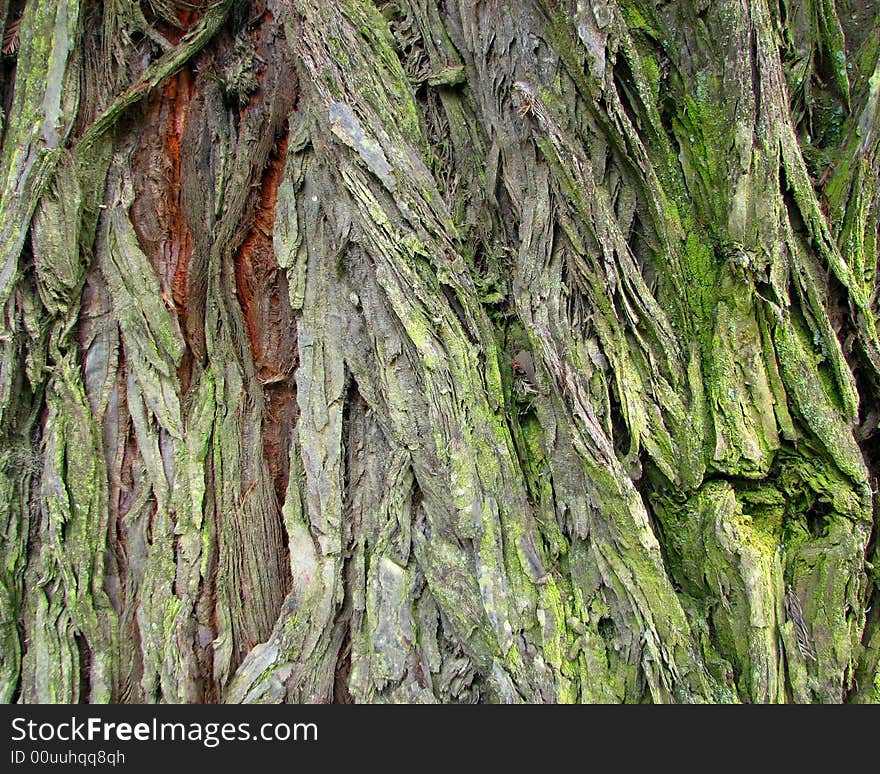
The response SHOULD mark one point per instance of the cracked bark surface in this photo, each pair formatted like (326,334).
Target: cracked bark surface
(448,351)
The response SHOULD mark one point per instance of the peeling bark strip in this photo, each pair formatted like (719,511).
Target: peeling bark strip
(439,352)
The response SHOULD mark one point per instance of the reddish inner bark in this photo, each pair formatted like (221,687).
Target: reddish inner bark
(157,211)
(262,293)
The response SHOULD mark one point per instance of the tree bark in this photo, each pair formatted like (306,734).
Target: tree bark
(457,351)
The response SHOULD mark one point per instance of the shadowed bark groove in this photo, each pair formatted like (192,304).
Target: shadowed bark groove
(447,351)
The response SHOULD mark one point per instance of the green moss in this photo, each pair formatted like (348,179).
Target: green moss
(39,121)
(833,42)
(384,85)
(337,48)
(637,18)
(651,71)
(701,275)
(704,131)
(810,400)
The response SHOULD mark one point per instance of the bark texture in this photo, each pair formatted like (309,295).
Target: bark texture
(439,351)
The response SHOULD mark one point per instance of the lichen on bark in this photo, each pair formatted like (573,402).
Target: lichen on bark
(440,352)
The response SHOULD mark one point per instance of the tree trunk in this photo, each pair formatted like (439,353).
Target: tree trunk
(456,351)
